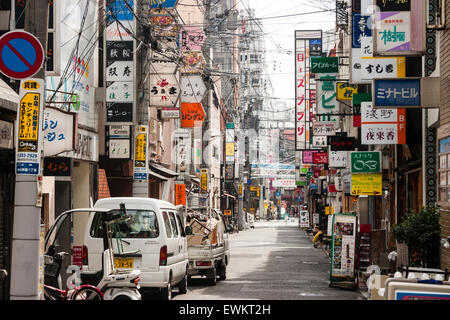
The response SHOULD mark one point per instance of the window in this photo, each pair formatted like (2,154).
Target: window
(143,224)
(173,224)
(167,225)
(180,225)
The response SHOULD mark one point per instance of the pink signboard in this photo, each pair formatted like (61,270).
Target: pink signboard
(192,38)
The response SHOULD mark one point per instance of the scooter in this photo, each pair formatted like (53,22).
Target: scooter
(114,284)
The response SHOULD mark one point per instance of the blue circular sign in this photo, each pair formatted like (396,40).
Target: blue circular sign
(21,55)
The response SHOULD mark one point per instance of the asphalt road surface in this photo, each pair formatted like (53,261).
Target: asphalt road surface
(274,261)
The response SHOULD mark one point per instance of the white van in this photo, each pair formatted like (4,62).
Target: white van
(153,241)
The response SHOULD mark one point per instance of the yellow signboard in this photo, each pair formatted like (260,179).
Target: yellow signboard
(345,91)
(240,189)
(29,122)
(227,212)
(141,147)
(229,149)
(367,184)
(204,179)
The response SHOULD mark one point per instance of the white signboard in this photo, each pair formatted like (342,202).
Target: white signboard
(170,113)
(319,142)
(192,89)
(326,94)
(382,126)
(304,219)
(393,31)
(284,183)
(183,151)
(324,128)
(59,128)
(6,135)
(115,32)
(119,148)
(164,90)
(120,91)
(382,68)
(337,159)
(119,132)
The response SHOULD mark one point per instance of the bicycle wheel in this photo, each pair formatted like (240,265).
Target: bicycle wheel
(87,293)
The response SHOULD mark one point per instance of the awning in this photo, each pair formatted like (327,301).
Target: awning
(163,170)
(155,175)
(9,99)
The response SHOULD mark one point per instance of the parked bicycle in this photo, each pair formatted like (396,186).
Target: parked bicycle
(52,275)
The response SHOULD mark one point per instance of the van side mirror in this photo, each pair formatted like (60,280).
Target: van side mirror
(188,230)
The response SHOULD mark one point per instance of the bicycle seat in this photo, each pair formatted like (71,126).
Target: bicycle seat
(91,277)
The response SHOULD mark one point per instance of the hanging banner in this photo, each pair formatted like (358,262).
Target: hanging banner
(180,194)
(141,153)
(343,248)
(367,184)
(204,179)
(29,127)
(382,126)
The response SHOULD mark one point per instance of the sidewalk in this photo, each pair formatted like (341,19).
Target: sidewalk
(363,292)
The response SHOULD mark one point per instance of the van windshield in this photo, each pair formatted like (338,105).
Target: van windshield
(143,224)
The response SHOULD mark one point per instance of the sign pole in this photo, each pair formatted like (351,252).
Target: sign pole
(25,265)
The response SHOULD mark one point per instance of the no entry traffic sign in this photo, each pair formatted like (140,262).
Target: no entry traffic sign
(21,55)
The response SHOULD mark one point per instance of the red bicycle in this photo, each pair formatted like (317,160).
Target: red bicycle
(52,275)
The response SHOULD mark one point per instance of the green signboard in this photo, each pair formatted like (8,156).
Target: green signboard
(365,161)
(324,64)
(361,97)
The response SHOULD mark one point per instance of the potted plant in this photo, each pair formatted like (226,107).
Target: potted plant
(421,232)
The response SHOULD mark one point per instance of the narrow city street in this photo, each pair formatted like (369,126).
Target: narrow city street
(274,261)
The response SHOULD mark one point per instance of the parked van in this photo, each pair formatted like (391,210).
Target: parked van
(153,241)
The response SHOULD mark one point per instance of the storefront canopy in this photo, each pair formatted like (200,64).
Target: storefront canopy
(156,175)
(9,99)
(163,170)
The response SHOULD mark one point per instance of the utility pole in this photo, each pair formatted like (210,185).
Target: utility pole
(140,187)
(26,229)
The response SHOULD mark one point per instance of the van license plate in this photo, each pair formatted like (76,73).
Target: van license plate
(123,263)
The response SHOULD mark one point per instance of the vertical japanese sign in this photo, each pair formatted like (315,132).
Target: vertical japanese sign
(204,179)
(343,248)
(141,153)
(180,194)
(119,66)
(305,87)
(184,150)
(29,127)
(382,126)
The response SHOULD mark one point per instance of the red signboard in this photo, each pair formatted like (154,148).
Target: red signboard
(320,158)
(180,194)
(191,113)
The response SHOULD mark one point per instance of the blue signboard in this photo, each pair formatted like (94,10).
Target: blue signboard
(397,93)
(163,3)
(361,28)
(120,10)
